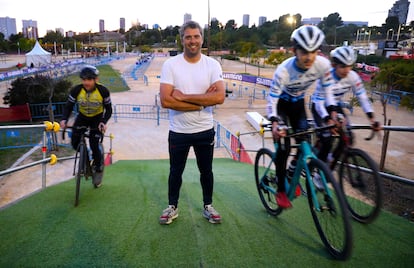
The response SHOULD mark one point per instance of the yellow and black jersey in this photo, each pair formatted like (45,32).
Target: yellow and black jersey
(95,103)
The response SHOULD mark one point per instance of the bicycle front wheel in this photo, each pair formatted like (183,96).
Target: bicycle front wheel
(329,211)
(266,180)
(82,157)
(361,183)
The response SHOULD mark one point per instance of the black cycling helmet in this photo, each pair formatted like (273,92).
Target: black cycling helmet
(89,72)
(308,38)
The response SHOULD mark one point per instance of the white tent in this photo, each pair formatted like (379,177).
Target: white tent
(38,56)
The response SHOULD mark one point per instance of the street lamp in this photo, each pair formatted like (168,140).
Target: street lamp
(29,32)
(399,32)
(292,21)
(390,30)
(358,35)
(208,29)
(159,31)
(337,27)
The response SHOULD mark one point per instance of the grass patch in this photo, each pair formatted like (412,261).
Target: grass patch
(117,226)
(109,77)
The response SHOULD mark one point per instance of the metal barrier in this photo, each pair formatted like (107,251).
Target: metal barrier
(48,127)
(139,111)
(354,126)
(43,110)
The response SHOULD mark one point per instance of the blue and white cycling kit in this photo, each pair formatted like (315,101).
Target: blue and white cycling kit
(351,83)
(290,83)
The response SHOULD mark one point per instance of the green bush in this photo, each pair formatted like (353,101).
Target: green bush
(230,57)
(36,89)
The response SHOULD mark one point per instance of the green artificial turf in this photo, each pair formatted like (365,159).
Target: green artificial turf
(117,226)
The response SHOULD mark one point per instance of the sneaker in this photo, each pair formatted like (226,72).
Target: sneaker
(211,214)
(282,200)
(168,215)
(317,181)
(97,180)
(99,168)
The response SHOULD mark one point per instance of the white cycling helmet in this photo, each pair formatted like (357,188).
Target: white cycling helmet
(308,37)
(343,55)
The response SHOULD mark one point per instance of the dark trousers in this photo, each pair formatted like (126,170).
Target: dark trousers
(325,137)
(293,114)
(179,147)
(94,136)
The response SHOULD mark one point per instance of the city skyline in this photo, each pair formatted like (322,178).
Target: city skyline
(167,13)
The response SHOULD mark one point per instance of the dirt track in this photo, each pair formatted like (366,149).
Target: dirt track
(143,139)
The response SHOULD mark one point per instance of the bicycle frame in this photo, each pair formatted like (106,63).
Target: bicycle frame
(326,201)
(305,154)
(82,166)
(82,157)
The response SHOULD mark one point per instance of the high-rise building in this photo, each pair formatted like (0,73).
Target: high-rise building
(400,10)
(30,29)
(187,17)
(70,34)
(311,21)
(101,26)
(122,24)
(60,30)
(246,19)
(262,20)
(8,26)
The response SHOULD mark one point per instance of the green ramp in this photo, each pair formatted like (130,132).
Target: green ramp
(117,226)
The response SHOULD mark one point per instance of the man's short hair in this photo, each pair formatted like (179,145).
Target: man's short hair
(190,24)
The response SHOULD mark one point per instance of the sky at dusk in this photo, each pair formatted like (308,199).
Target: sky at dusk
(82,16)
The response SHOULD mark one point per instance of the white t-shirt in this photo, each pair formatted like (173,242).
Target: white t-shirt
(191,78)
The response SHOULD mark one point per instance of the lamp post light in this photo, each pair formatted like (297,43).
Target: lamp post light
(291,21)
(369,35)
(29,32)
(357,35)
(337,27)
(208,29)
(390,30)
(399,32)
(160,32)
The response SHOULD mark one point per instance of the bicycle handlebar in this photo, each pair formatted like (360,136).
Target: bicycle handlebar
(82,128)
(268,126)
(372,127)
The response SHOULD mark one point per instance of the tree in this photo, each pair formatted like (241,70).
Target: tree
(276,58)
(392,23)
(330,25)
(36,89)
(52,37)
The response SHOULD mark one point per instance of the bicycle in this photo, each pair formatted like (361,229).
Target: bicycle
(327,205)
(358,176)
(83,166)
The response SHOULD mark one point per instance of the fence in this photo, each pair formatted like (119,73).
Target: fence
(139,111)
(46,138)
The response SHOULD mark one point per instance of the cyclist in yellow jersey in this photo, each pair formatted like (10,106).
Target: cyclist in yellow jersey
(95,109)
